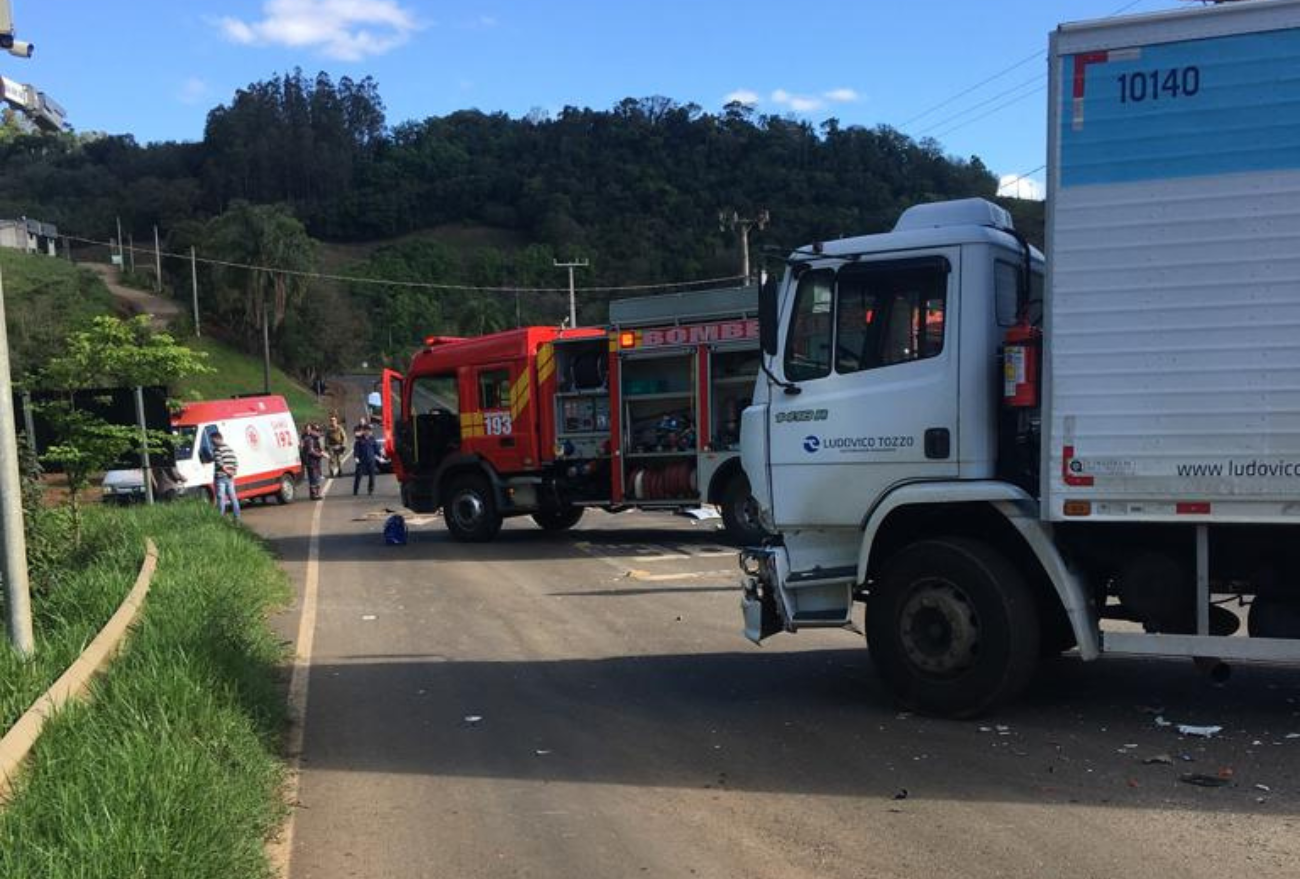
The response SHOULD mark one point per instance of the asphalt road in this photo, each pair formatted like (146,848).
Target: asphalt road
(585,706)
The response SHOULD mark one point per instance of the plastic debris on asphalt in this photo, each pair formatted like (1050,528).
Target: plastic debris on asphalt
(1204,732)
(473,718)
(1201,780)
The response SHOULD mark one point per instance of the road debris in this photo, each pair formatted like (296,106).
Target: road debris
(1158,760)
(369,617)
(900,794)
(541,752)
(1204,732)
(1265,788)
(472,719)
(1200,779)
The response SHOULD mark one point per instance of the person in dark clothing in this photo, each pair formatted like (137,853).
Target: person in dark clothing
(365,457)
(313,455)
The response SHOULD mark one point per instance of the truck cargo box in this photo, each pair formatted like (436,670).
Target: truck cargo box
(1173,304)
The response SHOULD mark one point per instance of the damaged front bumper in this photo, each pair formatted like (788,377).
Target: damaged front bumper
(758,601)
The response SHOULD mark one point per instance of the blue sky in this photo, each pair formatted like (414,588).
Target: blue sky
(155,67)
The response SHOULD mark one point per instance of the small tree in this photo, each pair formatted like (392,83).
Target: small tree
(111,352)
(88,445)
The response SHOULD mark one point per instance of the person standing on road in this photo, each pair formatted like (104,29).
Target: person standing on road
(312,458)
(365,456)
(225,466)
(336,441)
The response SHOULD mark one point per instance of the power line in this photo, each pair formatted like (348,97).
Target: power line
(996,76)
(997,109)
(973,107)
(422,285)
(1012,181)
(983,82)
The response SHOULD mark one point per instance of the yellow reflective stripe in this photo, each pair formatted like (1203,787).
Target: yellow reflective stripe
(519,395)
(471,424)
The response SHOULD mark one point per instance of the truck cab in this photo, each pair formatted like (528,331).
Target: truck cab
(884,366)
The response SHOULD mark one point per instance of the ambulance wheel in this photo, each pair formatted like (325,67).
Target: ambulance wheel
(560,519)
(740,512)
(286,493)
(952,628)
(471,509)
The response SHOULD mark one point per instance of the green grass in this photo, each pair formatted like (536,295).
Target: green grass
(45,298)
(91,585)
(238,373)
(171,770)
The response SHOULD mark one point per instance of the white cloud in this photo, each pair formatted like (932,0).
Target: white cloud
(841,95)
(798,103)
(741,96)
(193,90)
(347,30)
(1019,186)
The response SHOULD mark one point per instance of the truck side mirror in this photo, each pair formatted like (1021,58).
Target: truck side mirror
(767,317)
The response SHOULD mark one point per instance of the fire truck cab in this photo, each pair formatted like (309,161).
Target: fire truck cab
(547,422)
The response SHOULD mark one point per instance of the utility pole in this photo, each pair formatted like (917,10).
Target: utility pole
(266,346)
(145,469)
(573,301)
(157,262)
(130,250)
(744,224)
(194,288)
(121,258)
(13,542)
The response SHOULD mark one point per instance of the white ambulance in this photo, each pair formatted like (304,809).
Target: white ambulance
(262,434)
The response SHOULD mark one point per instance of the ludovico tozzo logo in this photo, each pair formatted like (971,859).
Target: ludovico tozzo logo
(811,444)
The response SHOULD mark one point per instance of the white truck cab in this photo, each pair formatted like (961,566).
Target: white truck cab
(1002,466)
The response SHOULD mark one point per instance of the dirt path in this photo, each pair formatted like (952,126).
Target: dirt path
(162,310)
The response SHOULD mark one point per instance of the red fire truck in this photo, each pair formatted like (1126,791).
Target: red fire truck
(546,422)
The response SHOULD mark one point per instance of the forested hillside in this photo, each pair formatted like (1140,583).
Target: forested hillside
(636,189)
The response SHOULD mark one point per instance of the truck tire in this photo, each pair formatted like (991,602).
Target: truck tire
(952,627)
(287,490)
(561,519)
(471,509)
(740,512)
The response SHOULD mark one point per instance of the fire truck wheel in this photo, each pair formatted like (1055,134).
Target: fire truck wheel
(286,492)
(558,520)
(952,628)
(471,509)
(740,512)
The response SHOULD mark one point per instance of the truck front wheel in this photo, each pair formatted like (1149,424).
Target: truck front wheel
(740,512)
(952,628)
(558,519)
(471,509)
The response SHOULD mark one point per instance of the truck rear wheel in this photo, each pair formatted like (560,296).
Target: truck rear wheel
(471,509)
(740,512)
(952,628)
(559,519)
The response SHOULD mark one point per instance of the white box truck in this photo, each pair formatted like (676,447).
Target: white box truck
(1005,456)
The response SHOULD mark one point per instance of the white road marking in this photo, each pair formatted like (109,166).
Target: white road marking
(689,575)
(281,851)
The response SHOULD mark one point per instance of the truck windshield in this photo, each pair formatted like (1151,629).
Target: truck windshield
(185,442)
(432,393)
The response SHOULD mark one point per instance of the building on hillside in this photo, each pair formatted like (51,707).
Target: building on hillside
(30,236)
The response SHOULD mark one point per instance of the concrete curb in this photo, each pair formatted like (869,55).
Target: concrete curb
(73,683)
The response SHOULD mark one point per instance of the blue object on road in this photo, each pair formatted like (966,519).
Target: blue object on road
(395,530)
